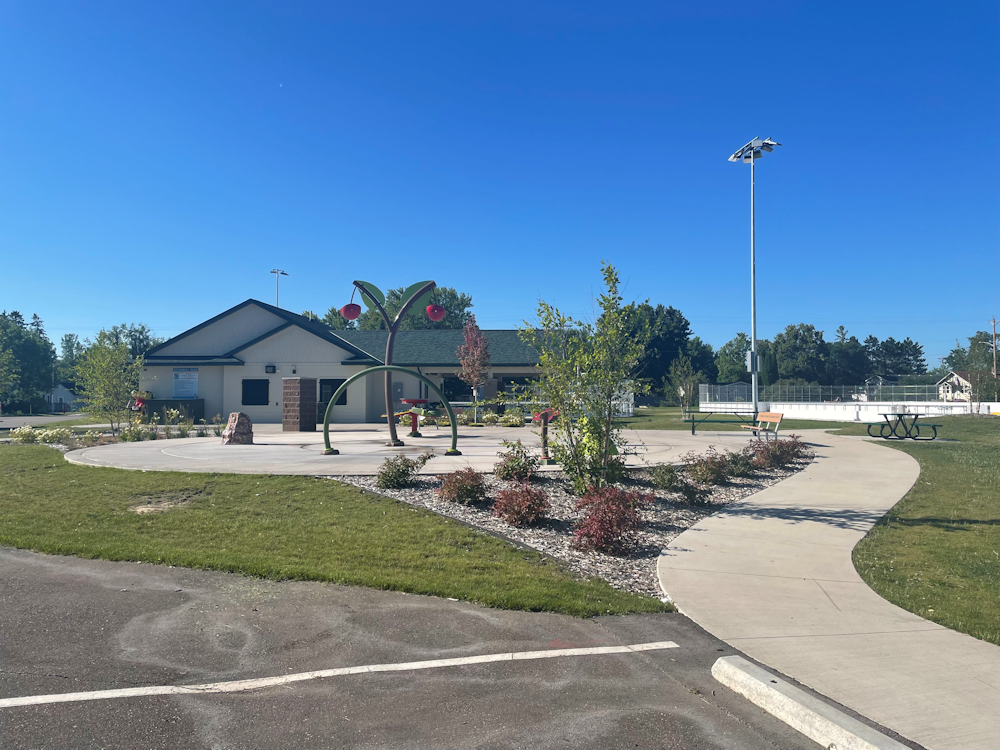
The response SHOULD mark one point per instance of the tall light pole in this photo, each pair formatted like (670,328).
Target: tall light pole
(748,155)
(278,273)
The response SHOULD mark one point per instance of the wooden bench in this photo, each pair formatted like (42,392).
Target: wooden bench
(767,422)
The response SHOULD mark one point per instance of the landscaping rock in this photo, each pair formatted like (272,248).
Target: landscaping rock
(239,430)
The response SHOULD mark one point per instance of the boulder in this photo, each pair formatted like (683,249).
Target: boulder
(239,430)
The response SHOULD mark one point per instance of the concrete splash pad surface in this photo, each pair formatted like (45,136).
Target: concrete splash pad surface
(363,449)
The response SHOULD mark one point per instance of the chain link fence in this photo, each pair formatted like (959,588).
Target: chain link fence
(741,392)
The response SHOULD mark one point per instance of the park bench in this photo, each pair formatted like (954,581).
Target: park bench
(765,420)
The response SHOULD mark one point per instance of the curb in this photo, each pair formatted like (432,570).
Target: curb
(812,717)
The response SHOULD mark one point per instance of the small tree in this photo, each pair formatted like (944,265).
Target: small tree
(585,371)
(474,356)
(683,380)
(107,378)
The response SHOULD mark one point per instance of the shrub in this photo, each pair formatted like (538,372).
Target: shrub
(521,506)
(183,430)
(512,419)
(443,421)
(91,437)
(691,492)
(665,476)
(516,462)
(133,434)
(740,463)
(462,419)
(776,453)
(55,435)
(24,434)
(465,486)
(611,519)
(710,468)
(491,419)
(398,472)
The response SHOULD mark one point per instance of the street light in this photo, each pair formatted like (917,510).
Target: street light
(278,273)
(748,155)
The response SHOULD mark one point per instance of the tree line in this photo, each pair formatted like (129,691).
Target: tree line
(30,367)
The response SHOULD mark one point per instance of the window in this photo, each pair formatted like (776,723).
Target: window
(255,392)
(328,387)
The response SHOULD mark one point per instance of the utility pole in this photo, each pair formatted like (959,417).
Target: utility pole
(993,320)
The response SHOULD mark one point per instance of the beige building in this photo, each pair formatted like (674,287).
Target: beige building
(236,361)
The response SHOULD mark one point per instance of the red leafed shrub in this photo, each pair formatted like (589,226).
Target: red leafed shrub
(465,486)
(610,519)
(521,506)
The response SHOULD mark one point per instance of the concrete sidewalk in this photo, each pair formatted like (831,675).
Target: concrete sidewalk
(773,576)
(363,449)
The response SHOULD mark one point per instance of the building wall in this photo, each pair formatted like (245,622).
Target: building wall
(293,352)
(160,382)
(225,335)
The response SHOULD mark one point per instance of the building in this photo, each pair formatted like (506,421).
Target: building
(63,399)
(236,360)
(955,386)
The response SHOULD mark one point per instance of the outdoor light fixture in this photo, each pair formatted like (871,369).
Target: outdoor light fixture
(278,273)
(748,155)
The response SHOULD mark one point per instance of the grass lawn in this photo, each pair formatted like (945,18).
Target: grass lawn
(280,528)
(670,418)
(937,553)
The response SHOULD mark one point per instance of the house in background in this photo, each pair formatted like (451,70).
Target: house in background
(63,399)
(236,361)
(955,386)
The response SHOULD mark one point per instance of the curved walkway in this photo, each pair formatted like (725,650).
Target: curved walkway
(773,576)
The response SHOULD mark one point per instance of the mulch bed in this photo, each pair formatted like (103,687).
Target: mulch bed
(636,571)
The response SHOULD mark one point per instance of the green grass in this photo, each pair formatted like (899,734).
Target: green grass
(670,418)
(937,552)
(281,528)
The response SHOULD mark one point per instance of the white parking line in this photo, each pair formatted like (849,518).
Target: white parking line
(237,686)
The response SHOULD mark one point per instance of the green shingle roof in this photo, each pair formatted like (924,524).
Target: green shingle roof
(439,347)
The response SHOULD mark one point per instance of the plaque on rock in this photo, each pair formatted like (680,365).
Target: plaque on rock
(239,430)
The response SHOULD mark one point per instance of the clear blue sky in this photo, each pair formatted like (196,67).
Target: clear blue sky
(158,159)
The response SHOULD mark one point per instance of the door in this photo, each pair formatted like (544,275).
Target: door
(327,387)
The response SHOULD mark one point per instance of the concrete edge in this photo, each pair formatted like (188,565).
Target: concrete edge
(805,713)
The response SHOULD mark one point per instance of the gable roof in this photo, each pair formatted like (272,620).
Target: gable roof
(314,327)
(429,348)
(961,374)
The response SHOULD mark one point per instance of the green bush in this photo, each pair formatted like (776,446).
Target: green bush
(465,486)
(491,419)
(740,463)
(25,434)
(665,476)
(443,421)
(516,462)
(512,419)
(462,418)
(710,468)
(398,472)
(692,493)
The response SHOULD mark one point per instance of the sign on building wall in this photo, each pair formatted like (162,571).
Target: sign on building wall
(185,382)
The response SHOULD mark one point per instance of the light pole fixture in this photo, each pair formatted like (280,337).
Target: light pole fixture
(748,155)
(278,273)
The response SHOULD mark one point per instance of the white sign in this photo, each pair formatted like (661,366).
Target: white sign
(185,382)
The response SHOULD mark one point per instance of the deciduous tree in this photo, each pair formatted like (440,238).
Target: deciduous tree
(106,376)
(474,356)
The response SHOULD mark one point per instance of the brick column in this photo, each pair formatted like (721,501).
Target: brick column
(298,410)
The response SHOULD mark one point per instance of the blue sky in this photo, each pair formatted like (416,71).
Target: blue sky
(158,159)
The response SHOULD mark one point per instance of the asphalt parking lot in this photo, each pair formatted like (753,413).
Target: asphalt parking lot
(71,625)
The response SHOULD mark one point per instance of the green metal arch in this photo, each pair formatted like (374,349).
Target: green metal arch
(389,368)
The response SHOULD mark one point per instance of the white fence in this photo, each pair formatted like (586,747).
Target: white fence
(856,411)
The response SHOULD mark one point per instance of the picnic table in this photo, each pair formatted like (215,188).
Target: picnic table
(902,426)
(700,417)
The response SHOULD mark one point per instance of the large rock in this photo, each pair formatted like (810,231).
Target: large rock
(239,430)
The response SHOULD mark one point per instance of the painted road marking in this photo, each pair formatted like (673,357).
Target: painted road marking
(237,686)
